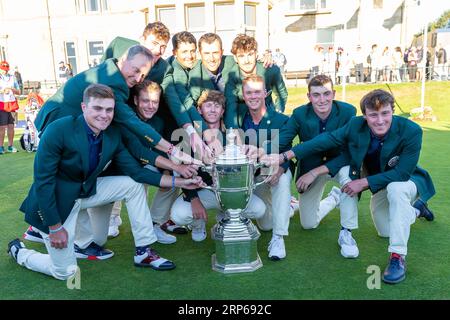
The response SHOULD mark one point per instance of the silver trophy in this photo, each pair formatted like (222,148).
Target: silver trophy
(235,235)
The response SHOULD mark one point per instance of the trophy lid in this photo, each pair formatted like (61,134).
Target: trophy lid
(233,153)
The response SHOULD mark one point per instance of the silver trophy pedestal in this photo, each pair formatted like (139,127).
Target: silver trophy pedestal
(236,244)
(235,236)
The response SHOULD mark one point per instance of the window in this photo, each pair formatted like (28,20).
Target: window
(378,4)
(93,6)
(95,52)
(195,17)
(225,23)
(325,36)
(195,20)
(224,16)
(307,4)
(250,15)
(167,16)
(71,56)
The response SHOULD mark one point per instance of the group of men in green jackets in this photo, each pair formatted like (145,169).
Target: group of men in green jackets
(113,127)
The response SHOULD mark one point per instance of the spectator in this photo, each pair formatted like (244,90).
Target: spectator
(62,72)
(8,104)
(358,61)
(397,65)
(440,62)
(280,60)
(69,71)
(19,79)
(412,63)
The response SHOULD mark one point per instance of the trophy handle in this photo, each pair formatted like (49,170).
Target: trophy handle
(259,165)
(208,169)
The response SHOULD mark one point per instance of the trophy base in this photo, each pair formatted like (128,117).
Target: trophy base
(236,245)
(236,268)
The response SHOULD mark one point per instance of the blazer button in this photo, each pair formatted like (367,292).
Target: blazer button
(354,173)
(324,159)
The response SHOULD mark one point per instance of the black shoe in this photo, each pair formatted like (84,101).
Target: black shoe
(395,272)
(13,248)
(170,226)
(424,211)
(93,252)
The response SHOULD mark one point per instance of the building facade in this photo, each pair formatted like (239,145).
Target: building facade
(36,34)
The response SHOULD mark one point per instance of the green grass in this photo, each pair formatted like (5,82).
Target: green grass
(313,268)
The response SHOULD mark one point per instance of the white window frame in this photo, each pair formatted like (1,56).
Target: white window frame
(101,6)
(250,28)
(186,16)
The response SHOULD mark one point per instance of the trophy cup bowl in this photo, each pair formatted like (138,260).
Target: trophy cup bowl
(235,235)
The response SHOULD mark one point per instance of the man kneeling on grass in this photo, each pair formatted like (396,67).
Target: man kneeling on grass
(382,151)
(72,153)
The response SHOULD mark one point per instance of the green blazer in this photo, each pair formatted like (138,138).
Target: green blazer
(171,107)
(66,101)
(304,123)
(267,136)
(61,169)
(137,147)
(233,91)
(181,83)
(399,154)
(118,47)
(200,80)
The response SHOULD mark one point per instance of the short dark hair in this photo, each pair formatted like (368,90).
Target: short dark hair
(183,36)
(244,42)
(209,38)
(97,90)
(376,99)
(158,29)
(138,49)
(319,81)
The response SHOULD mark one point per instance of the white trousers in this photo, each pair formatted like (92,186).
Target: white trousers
(393,213)
(278,205)
(161,203)
(61,263)
(313,209)
(181,211)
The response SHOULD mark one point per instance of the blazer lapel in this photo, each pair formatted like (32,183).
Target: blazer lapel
(82,142)
(363,143)
(389,144)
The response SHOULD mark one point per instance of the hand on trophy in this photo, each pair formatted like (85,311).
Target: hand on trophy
(186,170)
(271,160)
(253,152)
(182,157)
(190,184)
(275,178)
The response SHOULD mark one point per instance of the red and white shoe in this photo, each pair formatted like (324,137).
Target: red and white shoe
(151,259)
(33,235)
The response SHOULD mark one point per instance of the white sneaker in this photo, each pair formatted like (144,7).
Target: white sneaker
(336,194)
(198,230)
(349,249)
(162,236)
(276,248)
(114,223)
